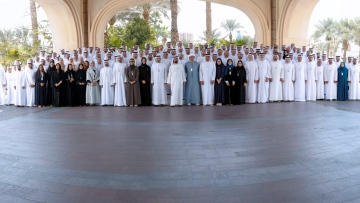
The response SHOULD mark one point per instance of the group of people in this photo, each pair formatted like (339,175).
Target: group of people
(200,75)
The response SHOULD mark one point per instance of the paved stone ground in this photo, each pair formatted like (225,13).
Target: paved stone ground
(277,152)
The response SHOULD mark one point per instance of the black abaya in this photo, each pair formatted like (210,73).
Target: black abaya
(70,88)
(239,88)
(145,74)
(81,89)
(40,91)
(49,94)
(58,94)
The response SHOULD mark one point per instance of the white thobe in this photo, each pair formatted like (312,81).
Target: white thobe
(20,84)
(88,59)
(158,79)
(167,63)
(330,75)
(348,65)
(99,66)
(207,73)
(30,91)
(107,91)
(288,85)
(324,63)
(76,65)
(268,57)
(137,62)
(200,59)
(176,78)
(119,79)
(354,78)
(225,59)
(300,77)
(2,86)
(252,74)
(277,73)
(337,63)
(263,86)
(320,82)
(149,63)
(233,58)
(10,88)
(311,81)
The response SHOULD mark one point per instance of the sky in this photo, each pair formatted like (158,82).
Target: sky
(324,9)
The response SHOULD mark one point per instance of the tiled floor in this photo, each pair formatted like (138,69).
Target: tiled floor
(277,152)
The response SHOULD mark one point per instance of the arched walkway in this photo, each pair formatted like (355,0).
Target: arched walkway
(294,22)
(98,25)
(66,25)
(69,19)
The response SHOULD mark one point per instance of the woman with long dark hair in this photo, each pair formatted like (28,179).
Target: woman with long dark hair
(229,82)
(81,85)
(70,86)
(145,80)
(240,83)
(40,86)
(57,84)
(49,73)
(219,83)
(86,65)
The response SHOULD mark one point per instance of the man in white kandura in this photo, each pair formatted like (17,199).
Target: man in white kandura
(276,78)
(300,79)
(19,86)
(252,76)
(311,79)
(320,80)
(264,75)
(354,80)
(10,86)
(107,85)
(176,79)
(207,80)
(330,77)
(158,82)
(289,80)
(2,85)
(119,82)
(30,84)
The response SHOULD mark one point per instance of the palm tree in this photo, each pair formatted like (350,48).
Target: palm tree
(215,36)
(34,22)
(22,35)
(230,25)
(145,11)
(356,31)
(343,33)
(326,28)
(163,32)
(174,24)
(208,22)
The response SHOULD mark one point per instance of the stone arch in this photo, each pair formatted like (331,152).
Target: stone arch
(98,24)
(294,22)
(66,27)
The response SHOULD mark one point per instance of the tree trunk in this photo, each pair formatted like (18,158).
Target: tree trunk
(230,36)
(146,12)
(34,22)
(208,22)
(112,20)
(328,49)
(106,37)
(345,48)
(174,24)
